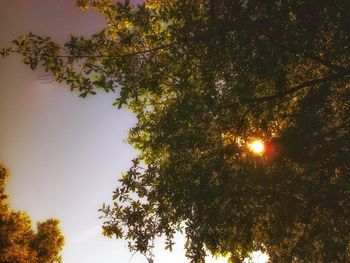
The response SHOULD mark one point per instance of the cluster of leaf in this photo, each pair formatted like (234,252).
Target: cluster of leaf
(18,242)
(204,78)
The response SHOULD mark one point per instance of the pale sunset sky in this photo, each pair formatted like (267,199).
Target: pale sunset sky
(65,153)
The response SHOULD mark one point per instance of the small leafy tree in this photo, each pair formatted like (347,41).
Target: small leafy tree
(204,79)
(18,242)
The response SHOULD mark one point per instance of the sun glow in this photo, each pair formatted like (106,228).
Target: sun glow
(257,146)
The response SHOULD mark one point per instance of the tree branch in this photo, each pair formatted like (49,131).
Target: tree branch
(296,88)
(122,55)
(300,239)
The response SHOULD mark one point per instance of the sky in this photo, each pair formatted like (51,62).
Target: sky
(65,153)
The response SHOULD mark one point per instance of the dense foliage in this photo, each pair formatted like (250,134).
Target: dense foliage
(18,242)
(204,79)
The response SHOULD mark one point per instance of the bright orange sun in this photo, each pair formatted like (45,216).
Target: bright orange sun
(257,146)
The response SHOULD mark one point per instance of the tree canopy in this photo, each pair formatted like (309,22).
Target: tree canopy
(18,242)
(205,78)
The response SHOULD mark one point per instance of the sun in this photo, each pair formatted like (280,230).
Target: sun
(257,146)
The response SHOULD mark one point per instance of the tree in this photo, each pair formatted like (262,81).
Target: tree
(204,79)
(18,242)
